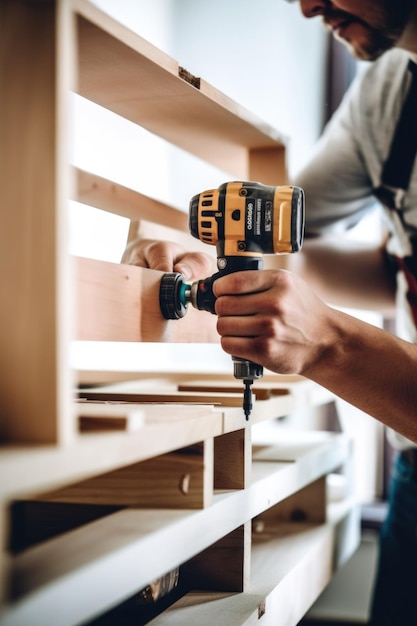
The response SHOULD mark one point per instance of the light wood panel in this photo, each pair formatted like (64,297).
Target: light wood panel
(107,195)
(262,389)
(306,505)
(297,556)
(158,539)
(121,71)
(167,427)
(224,566)
(162,395)
(268,166)
(121,303)
(181,479)
(232,460)
(127,75)
(34,183)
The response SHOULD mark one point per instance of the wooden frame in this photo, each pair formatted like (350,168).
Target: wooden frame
(64,448)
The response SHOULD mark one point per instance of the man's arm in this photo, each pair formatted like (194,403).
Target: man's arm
(274,318)
(347,273)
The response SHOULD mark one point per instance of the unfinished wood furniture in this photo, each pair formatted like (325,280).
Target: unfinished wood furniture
(106,489)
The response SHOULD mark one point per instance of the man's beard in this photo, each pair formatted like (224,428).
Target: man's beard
(374,46)
(376,41)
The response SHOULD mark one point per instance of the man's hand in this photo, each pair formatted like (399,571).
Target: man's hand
(167,256)
(272,318)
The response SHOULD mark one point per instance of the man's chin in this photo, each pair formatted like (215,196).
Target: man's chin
(363,49)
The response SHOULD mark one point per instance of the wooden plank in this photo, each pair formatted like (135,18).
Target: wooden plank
(181,479)
(288,572)
(118,302)
(262,390)
(35,521)
(268,166)
(161,395)
(115,64)
(142,545)
(224,566)
(109,196)
(275,407)
(166,428)
(34,182)
(306,505)
(232,460)
(110,416)
(276,381)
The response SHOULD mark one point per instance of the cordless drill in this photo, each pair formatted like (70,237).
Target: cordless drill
(244,220)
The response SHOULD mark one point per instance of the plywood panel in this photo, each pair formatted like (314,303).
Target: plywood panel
(267,165)
(34,183)
(232,460)
(127,75)
(107,195)
(121,303)
(166,427)
(224,566)
(181,479)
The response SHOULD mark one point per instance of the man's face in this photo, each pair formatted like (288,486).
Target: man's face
(367,27)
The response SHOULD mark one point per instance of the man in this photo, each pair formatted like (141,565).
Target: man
(366,154)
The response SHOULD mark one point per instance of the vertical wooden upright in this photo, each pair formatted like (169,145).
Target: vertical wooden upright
(35,39)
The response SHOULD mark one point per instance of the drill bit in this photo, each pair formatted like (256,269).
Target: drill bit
(247,398)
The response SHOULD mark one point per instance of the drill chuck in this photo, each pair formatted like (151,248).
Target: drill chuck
(246,370)
(173,296)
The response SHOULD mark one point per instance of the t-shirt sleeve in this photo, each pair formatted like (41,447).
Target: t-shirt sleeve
(337,188)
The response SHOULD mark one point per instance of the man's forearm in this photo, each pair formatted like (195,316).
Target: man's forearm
(373,370)
(275,319)
(346,273)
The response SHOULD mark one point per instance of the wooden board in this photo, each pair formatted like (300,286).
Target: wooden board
(109,196)
(34,301)
(262,391)
(167,427)
(121,303)
(161,396)
(233,460)
(115,64)
(181,479)
(224,566)
(289,570)
(162,539)
(108,416)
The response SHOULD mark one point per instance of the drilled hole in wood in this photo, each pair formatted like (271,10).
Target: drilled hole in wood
(185,483)
(261,609)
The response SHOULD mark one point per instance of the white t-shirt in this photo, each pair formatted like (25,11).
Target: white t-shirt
(347,165)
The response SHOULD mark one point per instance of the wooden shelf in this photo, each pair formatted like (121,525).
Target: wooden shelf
(165,429)
(108,195)
(103,496)
(162,427)
(184,110)
(281,564)
(44,575)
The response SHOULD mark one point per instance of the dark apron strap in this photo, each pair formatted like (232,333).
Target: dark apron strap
(396,173)
(395,180)
(399,164)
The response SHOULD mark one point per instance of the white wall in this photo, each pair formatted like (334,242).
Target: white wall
(151,19)
(263,54)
